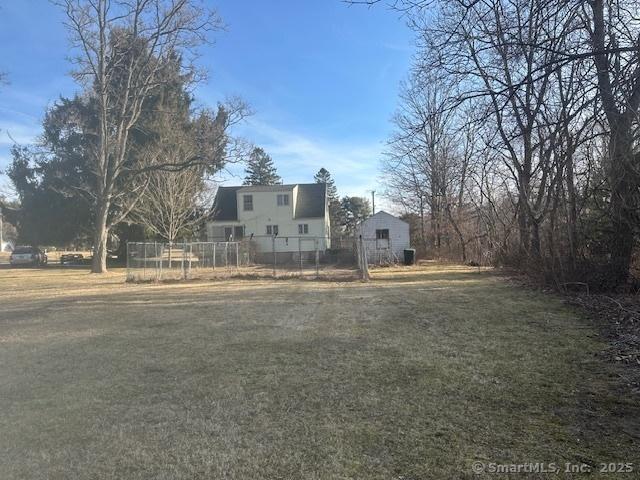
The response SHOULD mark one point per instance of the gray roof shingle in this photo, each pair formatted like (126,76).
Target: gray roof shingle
(310,202)
(225,206)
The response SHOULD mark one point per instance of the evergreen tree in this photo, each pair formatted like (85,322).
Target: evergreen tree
(260,169)
(335,210)
(354,211)
(55,179)
(323,176)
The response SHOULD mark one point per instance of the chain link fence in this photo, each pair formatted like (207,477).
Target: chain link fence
(258,256)
(173,261)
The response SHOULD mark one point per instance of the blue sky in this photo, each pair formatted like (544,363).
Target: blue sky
(321,76)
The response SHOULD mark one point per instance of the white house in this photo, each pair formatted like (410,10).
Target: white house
(297,216)
(384,236)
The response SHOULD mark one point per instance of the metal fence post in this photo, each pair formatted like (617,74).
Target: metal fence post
(300,252)
(214,256)
(237,256)
(363,262)
(317,258)
(144,262)
(273,247)
(128,273)
(182,266)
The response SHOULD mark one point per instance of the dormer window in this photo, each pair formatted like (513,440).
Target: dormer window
(283,199)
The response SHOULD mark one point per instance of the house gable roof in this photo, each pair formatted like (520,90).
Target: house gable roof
(225,206)
(310,200)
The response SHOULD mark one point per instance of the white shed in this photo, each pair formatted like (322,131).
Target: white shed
(385,237)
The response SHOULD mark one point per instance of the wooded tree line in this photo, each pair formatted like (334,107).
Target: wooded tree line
(516,136)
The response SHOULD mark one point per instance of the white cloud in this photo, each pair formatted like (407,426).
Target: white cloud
(353,165)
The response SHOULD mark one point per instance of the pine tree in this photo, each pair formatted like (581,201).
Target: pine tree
(323,176)
(335,210)
(260,169)
(354,211)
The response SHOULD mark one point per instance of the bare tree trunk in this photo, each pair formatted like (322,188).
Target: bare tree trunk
(101,234)
(536,250)
(623,179)
(624,186)
(572,211)
(423,236)
(523,226)
(432,233)
(456,227)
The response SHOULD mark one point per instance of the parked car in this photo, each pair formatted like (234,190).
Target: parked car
(30,256)
(71,258)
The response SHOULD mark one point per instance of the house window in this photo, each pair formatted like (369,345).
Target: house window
(303,228)
(238,233)
(272,229)
(228,233)
(247,202)
(283,200)
(382,234)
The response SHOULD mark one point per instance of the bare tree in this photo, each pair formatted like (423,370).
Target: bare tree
(174,203)
(418,159)
(535,63)
(428,162)
(122,47)
(177,199)
(614,32)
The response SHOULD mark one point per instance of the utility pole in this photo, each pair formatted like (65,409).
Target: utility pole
(373,202)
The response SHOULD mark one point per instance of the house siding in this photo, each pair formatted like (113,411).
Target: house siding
(266,211)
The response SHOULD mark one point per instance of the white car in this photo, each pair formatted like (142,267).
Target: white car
(30,256)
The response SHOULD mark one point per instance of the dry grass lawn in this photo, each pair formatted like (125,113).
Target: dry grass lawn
(413,376)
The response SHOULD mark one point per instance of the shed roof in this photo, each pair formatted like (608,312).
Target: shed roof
(382,213)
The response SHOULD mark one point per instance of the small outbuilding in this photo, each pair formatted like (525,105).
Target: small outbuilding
(385,237)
